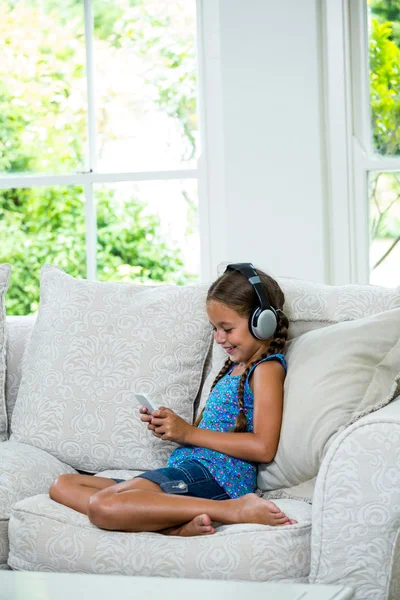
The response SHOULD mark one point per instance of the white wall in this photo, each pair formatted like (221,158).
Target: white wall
(272,209)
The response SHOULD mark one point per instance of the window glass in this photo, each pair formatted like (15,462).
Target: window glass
(145,82)
(383,185)
(384,194)
(384,62)
(42,87)
(37,226)
(148,232)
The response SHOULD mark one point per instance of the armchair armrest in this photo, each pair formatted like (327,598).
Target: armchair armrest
(356,508)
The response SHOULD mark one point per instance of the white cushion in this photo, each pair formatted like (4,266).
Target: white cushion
(335,376)
(5,271)
(92,347)
(47,536)
(18,331)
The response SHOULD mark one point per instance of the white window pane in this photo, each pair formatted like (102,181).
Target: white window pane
(145,82)
(42,86)
(148,231)
(384,198)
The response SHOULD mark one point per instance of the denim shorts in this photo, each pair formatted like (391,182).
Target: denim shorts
(190,478)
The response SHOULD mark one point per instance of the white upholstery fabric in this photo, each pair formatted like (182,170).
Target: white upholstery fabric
(24,471)
(47,536)
(335,375)
(356,508)
(18,333)
(5,271)
(92,347)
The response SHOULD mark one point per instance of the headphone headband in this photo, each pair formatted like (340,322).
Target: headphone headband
(263,320)
(248,271)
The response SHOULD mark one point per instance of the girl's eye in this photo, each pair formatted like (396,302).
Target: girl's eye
(227,330)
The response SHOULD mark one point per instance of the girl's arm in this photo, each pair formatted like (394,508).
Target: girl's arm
(260,445)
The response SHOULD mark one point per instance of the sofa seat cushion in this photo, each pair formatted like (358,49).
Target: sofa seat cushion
(5,271)
(24,471)
(46,536)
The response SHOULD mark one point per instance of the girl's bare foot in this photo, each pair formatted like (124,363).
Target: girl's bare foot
(264,512)
(200,525)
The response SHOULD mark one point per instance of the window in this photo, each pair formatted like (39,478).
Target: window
(99,141)
(375,74)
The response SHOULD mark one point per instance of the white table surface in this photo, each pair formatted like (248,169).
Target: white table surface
(22,585)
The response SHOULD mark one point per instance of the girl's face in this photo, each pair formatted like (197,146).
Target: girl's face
(231,331)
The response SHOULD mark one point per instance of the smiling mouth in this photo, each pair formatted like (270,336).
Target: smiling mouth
(229,349)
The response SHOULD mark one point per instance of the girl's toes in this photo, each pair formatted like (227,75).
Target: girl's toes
(208,530)
(282,521)
(274,508)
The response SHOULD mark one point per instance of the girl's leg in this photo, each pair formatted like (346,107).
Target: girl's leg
(75,491)
(140,505)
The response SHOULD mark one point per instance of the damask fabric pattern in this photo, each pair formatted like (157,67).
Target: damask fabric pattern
(356,509)
(5,271)
(310,305)
(24,472)
(92,347)
(18,333)
(47,536)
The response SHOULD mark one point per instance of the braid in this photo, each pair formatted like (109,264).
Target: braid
(241,421)
(220,375)
(276,346)
(281,333)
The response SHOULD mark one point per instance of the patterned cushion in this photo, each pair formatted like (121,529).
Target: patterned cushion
(18,333)
(5,271)
(312,305)
(24,472)
(47,536)
(92,347)
(335,376)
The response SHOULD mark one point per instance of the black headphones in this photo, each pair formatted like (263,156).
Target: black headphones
(263,320)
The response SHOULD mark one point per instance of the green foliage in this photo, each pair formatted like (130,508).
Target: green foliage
(388,10)
(384,58)
(43,128)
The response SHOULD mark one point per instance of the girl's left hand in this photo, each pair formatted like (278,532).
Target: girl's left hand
(168,426)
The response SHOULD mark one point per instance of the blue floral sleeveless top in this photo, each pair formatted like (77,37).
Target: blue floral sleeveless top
(237,477)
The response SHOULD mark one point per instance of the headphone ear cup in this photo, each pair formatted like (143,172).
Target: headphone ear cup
(263,323)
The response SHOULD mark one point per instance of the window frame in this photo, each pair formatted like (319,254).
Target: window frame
(349,139)
(91,176)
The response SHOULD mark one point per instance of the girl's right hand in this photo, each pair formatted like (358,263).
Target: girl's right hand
(146,418)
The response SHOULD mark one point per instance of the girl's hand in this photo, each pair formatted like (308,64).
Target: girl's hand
(168,426)
(145,417)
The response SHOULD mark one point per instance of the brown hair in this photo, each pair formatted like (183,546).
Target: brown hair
(235,291)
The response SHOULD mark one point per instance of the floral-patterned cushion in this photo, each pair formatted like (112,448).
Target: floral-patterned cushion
(47,536)
(18,331)
(5,271)
(24,472)
(92,347)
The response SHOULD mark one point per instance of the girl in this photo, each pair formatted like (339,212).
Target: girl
(213,475)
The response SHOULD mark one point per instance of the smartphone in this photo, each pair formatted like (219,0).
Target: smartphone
(146,402)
